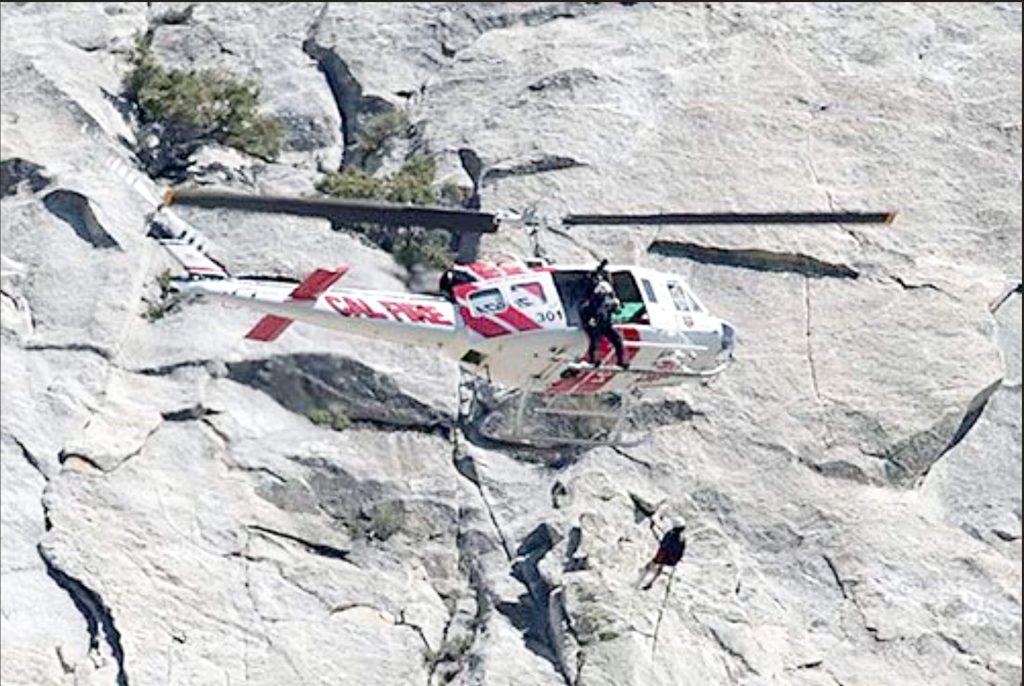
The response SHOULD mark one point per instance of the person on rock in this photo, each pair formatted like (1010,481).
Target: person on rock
(670,552)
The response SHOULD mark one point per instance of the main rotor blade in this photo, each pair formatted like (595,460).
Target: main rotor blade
(733,218)
(454,220)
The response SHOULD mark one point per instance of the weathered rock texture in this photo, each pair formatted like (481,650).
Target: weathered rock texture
(852,483)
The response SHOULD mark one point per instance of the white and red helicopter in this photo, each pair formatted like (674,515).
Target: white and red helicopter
(512,323)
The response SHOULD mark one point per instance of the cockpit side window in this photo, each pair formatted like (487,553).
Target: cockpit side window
(528,294)
(649,290)
(679,298)
(487,302)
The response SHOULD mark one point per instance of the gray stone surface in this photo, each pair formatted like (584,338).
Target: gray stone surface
(851,485)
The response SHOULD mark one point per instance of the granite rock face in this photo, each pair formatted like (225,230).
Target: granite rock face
(852,484)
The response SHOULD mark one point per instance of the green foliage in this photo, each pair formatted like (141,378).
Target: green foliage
(352,183)
(332,417)
(340,421)
(412,184)
(166,303)
(428,248)
(164,281)
(209,103)
(155,312)
(380,130)
(453,194)
(319,416)
(385,520)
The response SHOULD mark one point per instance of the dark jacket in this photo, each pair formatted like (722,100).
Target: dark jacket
(671,548)
(599,307)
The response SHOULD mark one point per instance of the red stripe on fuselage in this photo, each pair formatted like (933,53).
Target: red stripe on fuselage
(518,320)
(268,328)
(483,326)
(317,283)
(592,381)
(311,288)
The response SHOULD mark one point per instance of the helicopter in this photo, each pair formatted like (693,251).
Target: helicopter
(514,324)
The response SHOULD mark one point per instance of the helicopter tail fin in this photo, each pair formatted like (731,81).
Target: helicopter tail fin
(196,262)
(312,287)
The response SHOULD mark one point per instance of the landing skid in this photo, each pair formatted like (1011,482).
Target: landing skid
(525,418)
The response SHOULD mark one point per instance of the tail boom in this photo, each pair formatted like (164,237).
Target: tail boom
(314,285)
(398,317)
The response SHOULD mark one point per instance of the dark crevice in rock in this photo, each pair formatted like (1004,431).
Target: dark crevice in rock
(75,210)
(873,632)
(313,383)
(15,171)
(320,549)
(30,458)
(1005,535)
(64,457)
(755,259)
(810,665)
(21,305)
(73,347)
(635,460)
(188,414)
(542,164)
(455,654)
(261,470)
(1001,300)
(173,16)
(807,340)
(535,16)
(168,369)
(643,509)
(908,462)
(474,168)
(971,416)
(224,438)
(353,107)
(564,80)
(838,469)
(401,621)
(558,615)
(466,467)
(835,575)
(915,286)
(726,648)
(467,245)
(957,645)
(65,666)
(345,607)
(531,613)
(901,461)
(97,615)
